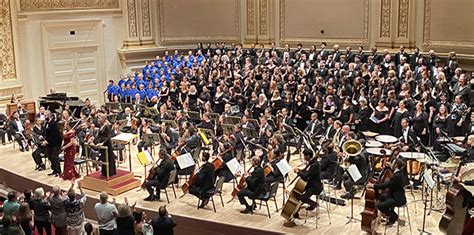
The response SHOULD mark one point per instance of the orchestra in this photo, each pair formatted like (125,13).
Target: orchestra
(341,110)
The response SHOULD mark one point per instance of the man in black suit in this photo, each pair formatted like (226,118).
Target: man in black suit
(312,176)
(161,178)
(16,129)
(401,54)
(204,181)
(255,186)
(314,128)
(395,195)
(408,136)
(52,142)
(103,138)
(360,161)
(328,163)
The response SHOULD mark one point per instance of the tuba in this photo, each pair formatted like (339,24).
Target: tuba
(352,148)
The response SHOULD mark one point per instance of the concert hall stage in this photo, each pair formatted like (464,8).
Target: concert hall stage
(16,172)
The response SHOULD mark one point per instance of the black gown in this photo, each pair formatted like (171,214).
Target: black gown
(103,137)
(396,122)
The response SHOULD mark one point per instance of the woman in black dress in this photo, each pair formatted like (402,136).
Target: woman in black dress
(219,101)
(193,98)
(381,113)
(419,120)
(347,112)
(400,113)
(440,124)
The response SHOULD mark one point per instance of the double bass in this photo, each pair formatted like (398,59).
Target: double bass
(369,215)
(455,216)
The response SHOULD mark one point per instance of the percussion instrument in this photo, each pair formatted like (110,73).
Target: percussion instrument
(370,134)
(413,155)
(386,139)
(448,165)
(373,144)
(378,151)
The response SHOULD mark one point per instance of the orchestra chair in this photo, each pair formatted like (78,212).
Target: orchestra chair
(155,142)
(170,183)
(330,190)
(271,194)
(283,188)
(407,211)
(319,198)
(215,191)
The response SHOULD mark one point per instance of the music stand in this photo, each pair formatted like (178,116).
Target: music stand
(214,117)
(127,105)
(112,117)
(193,115)
(172,112)
(289,129)
(232,120)
(123,123)
(228,129)
(113,105)
(249,133)
(254,122)
(171,123)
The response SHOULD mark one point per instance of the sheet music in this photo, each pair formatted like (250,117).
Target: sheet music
(429,180)
(124,137)
(185,160)
(374,119)
(149,157)
(284,167)
(234,166)
(354,173)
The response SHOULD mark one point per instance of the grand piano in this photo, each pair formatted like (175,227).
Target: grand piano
(55,102)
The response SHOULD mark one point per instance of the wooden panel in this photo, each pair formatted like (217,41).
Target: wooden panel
(191,21)
(342,21)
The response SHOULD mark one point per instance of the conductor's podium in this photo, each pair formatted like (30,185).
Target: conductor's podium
(119,183)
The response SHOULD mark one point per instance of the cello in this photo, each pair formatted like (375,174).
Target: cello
(370,213)
(241,184)
(455,216)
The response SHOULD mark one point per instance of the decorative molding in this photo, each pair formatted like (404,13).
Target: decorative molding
(195,38)
(42,5)
(263,17)
(403,11)
(385,12)
(146,19)
(250,17)
(132,18)
(7,48)
(427,42)
(343,41)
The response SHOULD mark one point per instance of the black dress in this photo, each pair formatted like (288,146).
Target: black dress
(396,122)
(382,127)
(345,114)
(420,122)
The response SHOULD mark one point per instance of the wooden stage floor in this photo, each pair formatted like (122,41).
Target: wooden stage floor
(205,221)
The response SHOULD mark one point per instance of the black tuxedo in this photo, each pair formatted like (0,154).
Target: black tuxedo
(53,137)
(255,186)
(162,176)
(204,181)
(312,175)
(314,128)
(395,195)
(328,166)
(103,137)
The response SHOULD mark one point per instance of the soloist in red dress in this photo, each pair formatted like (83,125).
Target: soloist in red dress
(69,171)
